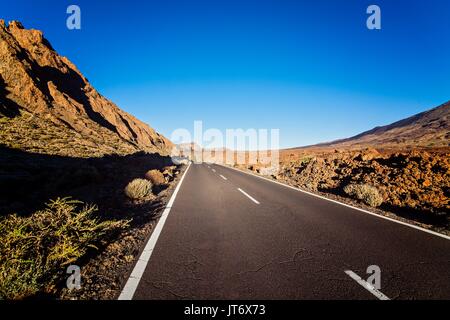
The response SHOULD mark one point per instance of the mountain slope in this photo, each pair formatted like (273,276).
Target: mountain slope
(39,88)
(427,129)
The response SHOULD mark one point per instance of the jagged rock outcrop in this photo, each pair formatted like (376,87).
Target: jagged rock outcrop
(36,80)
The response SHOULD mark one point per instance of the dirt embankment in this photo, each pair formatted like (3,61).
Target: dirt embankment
(67,157)
(30,180)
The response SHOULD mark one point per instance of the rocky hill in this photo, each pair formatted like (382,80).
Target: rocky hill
(427,129)
(48,106)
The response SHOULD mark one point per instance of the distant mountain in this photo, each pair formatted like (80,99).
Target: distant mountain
(44,95)
(427,129)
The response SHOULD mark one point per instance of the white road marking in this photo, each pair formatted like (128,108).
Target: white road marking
(249,196)
(135,277)
(213,170)
(223,177)
(367,285)
(344,204)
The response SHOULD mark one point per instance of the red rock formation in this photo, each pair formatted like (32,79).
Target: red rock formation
(48,85)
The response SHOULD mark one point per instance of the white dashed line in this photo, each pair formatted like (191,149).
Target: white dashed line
(367,285)
(248,196)
(213,170)
(342,204)
(223,177)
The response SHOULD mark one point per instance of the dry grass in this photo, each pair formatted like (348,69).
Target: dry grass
(364,192)
(139,189)
(37,134)
(35,250)
(155,177)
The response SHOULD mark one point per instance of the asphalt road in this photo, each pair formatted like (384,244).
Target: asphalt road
(230,235)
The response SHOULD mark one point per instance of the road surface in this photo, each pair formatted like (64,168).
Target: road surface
(231,235)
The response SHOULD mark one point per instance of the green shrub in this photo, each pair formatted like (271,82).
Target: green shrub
(35,250)
(305,160)
(364,192)
(139,189)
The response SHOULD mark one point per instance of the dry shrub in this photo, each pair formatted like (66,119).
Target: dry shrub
(169,173)
(368,194)
(35,250)
(139,189)
(305,160)
(155,177)
(169,168)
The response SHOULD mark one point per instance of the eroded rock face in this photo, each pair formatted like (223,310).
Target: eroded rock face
(36,79)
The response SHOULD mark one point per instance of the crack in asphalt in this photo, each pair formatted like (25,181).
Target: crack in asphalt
(292,260)
(254,271)
(294,257)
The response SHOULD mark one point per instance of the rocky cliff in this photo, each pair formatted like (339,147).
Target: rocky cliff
(41,89)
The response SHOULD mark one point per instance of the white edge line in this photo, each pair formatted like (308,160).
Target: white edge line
(223,177)
(249,196)
(380,295)
(133,281)
(344,204)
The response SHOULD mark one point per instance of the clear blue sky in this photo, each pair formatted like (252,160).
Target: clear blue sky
(310,68)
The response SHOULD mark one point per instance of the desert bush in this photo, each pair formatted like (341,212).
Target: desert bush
(155,177)
(139,189)
(366,193)
(35,250)
(305,160)
(169,173)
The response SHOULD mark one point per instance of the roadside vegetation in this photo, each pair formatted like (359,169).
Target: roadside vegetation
(139,189)
(156,177)
(364,192)
(36,250)
(37,134)
(155,181)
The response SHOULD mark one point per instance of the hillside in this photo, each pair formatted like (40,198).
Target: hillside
(427,129)
(48,106)
(81,181)
(404,166)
